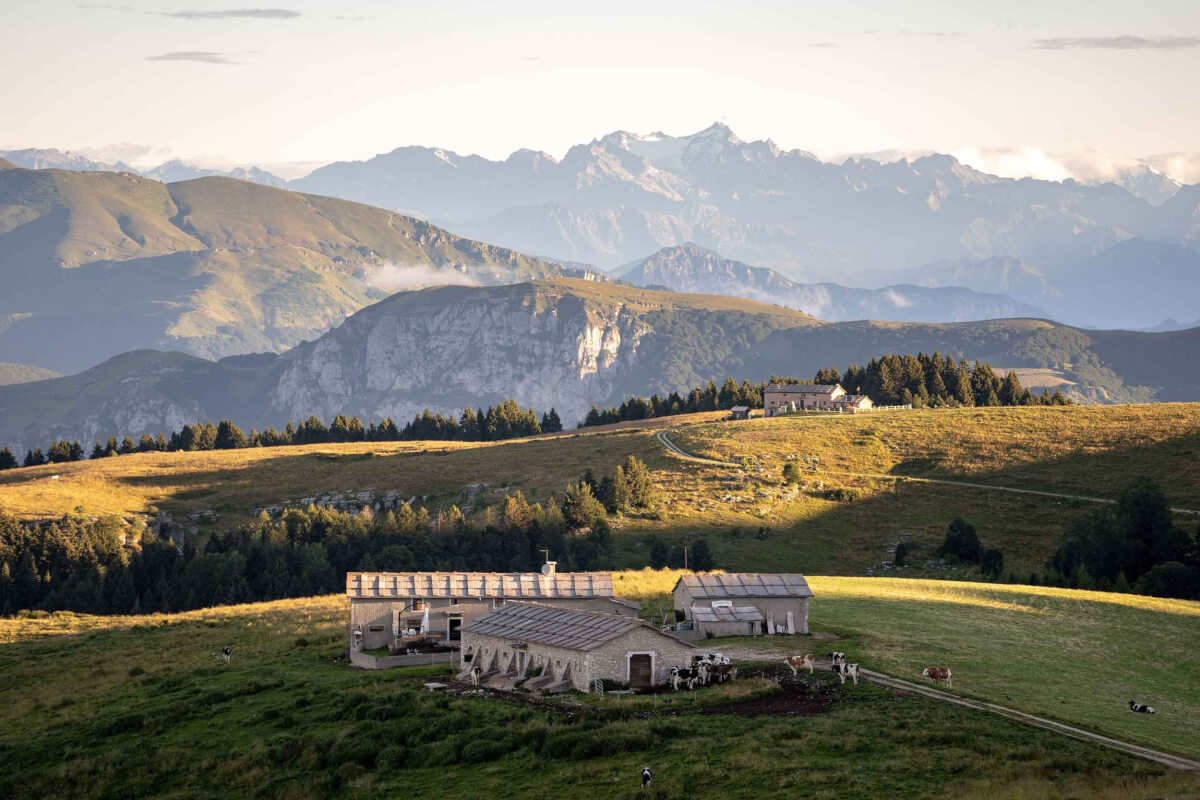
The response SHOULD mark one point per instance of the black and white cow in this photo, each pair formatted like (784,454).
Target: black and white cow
(685,675)
(646,776)
(226,653)
(845,670)
(1139,708)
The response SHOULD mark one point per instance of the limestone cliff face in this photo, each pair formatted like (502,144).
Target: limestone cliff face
(541,347)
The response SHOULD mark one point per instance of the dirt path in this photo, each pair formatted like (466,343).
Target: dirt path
(1178,762)
(673,448)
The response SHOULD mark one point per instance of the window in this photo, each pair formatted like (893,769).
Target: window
(418,604)
(453,601)
(499,601)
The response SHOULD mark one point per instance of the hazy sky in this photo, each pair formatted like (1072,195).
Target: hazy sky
(308,80)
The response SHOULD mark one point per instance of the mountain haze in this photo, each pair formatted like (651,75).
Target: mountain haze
(213,266)
(623,195)
(691,268)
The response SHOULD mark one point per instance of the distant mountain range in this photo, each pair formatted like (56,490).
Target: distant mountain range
(99,263)
(929,221)
(563,343)
(622,196)
(167,172)
(691,268)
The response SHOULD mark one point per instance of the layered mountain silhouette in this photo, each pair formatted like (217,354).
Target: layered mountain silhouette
(98,263)
(623,196)
(691,268)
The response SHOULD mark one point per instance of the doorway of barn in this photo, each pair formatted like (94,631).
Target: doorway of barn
(453,631)
(641,672)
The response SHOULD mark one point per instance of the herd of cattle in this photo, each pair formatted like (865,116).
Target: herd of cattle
(838,665)
(710,668)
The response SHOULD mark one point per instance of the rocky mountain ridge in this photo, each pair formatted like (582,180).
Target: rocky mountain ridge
(565,343)
(691,268)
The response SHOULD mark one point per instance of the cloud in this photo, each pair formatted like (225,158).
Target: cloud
(234,13)
(1183,167)
(896,299)
(138,155)
(400,277)
(201,56)
(1014,162)
(1117,43)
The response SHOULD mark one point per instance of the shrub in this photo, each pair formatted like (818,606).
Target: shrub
(135,671)
(962,542)
(901,554)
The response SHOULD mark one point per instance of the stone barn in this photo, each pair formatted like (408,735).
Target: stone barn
(554,648)
(779,398)
(386,606)
(744,602)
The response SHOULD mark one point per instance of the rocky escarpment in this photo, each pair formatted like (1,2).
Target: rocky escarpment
(449,348)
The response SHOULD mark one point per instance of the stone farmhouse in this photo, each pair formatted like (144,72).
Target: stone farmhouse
(743,603)
(385,607)
(557,648)
(779,398)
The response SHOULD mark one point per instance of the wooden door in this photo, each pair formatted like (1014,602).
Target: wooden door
(640,674)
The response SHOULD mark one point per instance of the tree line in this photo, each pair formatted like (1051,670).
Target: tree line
(505,421)
(699,398)
(918,380)
(934,381)
(109,566)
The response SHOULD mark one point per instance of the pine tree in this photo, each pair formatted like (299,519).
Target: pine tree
(127,446)
(7,460)
(550,422)
(580,507)
(229,436)
(98,450)
(641,487)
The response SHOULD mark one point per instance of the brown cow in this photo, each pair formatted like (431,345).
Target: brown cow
(940,674)
(796,662)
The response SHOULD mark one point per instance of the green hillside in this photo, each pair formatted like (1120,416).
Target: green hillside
(144,706)
(213,266)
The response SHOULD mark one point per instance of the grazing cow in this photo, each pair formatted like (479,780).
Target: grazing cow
(646,776)
(685,675)
(475,674)
(1139,708)
(796,662)
(940,674)
(837,658)
(725,672)
(844,670)
(226,652)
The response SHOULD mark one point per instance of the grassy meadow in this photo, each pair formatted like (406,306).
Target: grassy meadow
(143,706)
(748,518)
(1074,656)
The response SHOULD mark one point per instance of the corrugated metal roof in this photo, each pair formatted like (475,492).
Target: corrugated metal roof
(550,625)
(803,388)
(482,585)
(746,584)
(736,614)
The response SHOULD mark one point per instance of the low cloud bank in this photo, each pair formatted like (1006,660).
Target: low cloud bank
(404,277)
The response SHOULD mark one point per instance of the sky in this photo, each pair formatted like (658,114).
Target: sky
(1048,87)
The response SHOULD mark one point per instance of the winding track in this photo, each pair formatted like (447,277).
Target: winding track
(1177,762)
(673,448)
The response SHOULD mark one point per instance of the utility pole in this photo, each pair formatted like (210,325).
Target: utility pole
(685,558)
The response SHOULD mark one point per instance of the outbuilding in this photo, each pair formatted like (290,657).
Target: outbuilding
(553,648)
(743,602)
(385,607)
(739,412)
